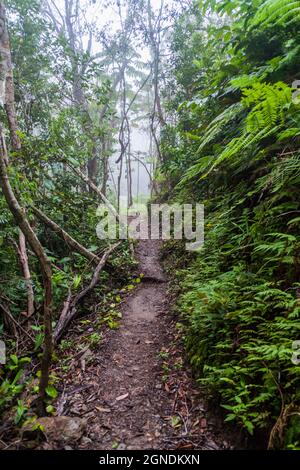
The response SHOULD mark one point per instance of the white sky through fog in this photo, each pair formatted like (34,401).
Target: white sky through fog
(140,139)
(103,16)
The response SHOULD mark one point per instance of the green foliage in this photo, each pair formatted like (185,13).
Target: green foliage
(237,139)
(13,382)
(51,391)
(245,347)
(94,339)
(269,101)
(56,130)
(20,412)
(278,12)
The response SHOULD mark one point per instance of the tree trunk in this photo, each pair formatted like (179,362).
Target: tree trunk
(7,100)
(92,166)
(23,257)
(129,171)
(7,96)
(105,155)
(9,104)
(45,265)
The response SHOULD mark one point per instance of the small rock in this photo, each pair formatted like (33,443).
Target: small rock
(121,447)
(85,440)
(68,448)
(60,428)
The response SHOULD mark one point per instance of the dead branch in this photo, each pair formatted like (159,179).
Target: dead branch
(70,311)
(23,257)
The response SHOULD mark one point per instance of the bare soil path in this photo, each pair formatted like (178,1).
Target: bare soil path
(135,390)
(136,408)
(130,385)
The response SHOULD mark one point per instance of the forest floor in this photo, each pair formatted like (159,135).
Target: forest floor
(133,388)
(137,392)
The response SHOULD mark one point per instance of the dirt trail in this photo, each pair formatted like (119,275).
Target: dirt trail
(130,388)
(137,392)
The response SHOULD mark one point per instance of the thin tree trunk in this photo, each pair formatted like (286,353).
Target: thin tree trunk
(151,180)
(7,99)
(7,96)
(128,155)
(45,265)
(155,44)
(105,148)
(10,109)
(23,257)
(119,182)
(129,171)
(9,104)
(92,165)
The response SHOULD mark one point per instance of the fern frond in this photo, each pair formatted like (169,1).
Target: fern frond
(273,12)
(218,123)
(241,144)
(195,170)
(269,100)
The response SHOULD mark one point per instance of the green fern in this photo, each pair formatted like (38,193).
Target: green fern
(241,144)
(270,101)
(217,125)
(274,12)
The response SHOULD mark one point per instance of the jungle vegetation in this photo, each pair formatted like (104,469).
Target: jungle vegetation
(234,147)
(217,92)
